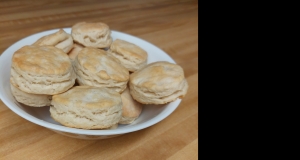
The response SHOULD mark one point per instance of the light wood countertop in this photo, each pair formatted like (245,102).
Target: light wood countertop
(171,25)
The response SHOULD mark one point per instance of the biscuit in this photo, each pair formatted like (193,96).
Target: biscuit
(158,83)
(75,50)
(112,127)
(42,70)
(131,108)
(131,56)
(97,35)
(60,39)
(33,100)
(87,107)
(93,67)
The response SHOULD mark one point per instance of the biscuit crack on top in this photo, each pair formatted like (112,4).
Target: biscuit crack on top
(99,112)
(117,112)
(88,38)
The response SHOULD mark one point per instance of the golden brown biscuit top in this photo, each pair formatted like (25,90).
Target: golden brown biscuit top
(83,27)
(75,50)
(158,76)
(128,49)
(96,61)
(52,39)
(89,97)
(131,108)
(41,60)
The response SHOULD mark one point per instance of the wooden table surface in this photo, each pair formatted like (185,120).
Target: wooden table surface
(171,25)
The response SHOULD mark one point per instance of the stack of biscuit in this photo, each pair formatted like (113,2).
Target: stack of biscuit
(114,78)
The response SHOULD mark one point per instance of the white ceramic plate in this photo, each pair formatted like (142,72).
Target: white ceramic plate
(150,115)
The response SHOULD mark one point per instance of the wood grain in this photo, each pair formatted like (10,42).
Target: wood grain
(171,25)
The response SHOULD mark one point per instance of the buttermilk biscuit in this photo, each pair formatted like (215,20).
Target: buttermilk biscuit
(114,126)
(131,108)
(42,70)
(60,39)
(87,107)
(95,35)
(33,100)
(94,67)
(131,56)
(158,83)
(75,50)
